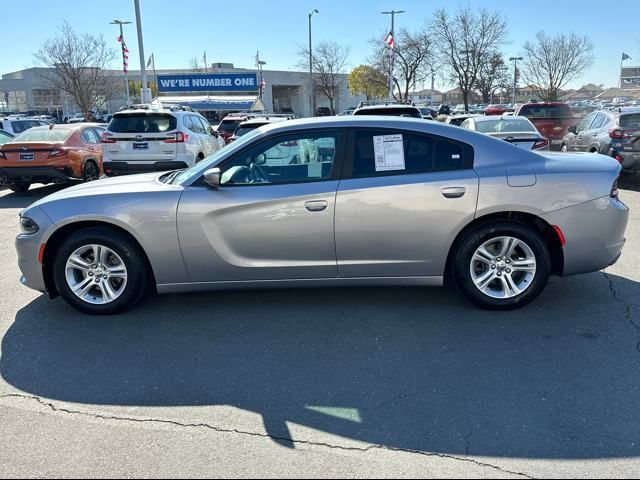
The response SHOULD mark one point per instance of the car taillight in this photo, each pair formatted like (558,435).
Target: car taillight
(106,138)
(292,143)
(614,189)
(619,133)
(57,152)
(178,137)
(541,143)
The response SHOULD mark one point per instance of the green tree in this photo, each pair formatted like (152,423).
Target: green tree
(135,86)
(368,81)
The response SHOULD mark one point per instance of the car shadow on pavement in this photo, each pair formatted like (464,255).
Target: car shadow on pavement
(629,181)
(23,200)
(407,368)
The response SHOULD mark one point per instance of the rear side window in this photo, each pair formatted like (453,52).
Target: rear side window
(391,112)
(89,136)
(196,126)
(380,152)
(601,120)
(632,121)
(142,123)
(546,111)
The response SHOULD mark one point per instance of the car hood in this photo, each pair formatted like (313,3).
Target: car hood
(579,162)
(140,184)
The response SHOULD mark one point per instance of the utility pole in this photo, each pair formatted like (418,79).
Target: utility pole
(392,46)
(312,100)
(126,73)
(515,76)
(204,58)
(145,93)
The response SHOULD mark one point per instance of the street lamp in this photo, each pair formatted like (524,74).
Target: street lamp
(515,74)
(145,93)
(126,74)
(392,53)
(311,89)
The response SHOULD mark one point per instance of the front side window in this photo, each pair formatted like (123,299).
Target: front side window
(305,157)
(379,153)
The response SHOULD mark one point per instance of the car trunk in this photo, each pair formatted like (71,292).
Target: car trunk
(141,136)
(30,153)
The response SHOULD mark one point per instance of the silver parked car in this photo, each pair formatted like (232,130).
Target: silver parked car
(518,131)
(370,200)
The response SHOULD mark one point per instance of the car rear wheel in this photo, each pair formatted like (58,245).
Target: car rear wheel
(502,265)
(100,271)
(20,187)
(90,172)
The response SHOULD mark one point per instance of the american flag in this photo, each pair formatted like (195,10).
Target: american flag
(389,41)
(125,55)
(263,86)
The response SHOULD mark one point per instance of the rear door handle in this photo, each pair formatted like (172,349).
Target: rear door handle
(316,205)
(454,192)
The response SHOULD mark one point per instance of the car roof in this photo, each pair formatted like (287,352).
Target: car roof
(485,118)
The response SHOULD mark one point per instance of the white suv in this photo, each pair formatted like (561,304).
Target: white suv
(147,140)
(16,126)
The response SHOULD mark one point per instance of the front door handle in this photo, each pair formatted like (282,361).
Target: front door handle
(316,205)
(454,192)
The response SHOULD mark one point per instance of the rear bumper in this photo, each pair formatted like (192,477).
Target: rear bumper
(127,168)
(630,160)
(9,175)
(594,233)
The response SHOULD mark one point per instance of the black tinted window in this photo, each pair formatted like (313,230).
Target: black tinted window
(142,123)
(383,153)
(228,126)
(631,121)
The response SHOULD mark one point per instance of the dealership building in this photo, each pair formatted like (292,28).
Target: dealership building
(222,89)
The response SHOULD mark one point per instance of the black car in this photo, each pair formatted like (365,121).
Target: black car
(323,112)
(615,133)
(444,110)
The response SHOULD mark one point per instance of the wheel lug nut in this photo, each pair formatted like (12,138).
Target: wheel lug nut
(508,270)
(493,267)
(499,274)
(104,276)
(499,259)
(97,280)
(91,274)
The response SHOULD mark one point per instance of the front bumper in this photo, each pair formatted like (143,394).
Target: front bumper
(28,249)
(9,175)
(594,233)
(112,169)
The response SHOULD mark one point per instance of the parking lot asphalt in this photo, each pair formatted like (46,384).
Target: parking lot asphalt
(393,382)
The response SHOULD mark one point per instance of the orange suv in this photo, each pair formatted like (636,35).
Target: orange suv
(51,154)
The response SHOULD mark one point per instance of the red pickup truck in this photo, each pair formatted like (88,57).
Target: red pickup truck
(552,119)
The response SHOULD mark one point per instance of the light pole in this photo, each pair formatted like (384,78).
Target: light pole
(515,76)
(126,72)
(392,46)
(311,86)
(145,93)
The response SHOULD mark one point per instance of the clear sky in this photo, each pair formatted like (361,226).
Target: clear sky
(232,31)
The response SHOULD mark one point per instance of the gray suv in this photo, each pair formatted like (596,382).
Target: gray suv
(610,132)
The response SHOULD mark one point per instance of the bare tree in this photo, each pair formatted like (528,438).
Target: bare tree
(550,62)
(79,68)
(414,59)
(194,64)
(493,74)
(329,62)
(464,42)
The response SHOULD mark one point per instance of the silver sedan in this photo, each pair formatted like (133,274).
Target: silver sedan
(332,202)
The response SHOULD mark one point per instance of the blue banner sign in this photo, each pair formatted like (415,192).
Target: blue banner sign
(217,82)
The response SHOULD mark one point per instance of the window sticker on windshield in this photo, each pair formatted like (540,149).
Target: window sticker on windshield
(389,152)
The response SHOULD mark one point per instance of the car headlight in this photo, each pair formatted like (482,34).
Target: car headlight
(28,226)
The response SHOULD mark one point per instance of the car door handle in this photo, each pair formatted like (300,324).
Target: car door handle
(316,205)
(454,192)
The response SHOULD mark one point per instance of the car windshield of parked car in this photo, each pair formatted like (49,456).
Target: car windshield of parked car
(391,112)
(631,122)
(142,122)
(43,135)
(190,174)
(546,111)
(504,125)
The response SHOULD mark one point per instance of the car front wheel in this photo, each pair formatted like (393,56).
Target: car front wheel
(502,265)
(100,271)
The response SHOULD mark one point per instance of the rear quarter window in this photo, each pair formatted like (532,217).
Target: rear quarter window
(142,123)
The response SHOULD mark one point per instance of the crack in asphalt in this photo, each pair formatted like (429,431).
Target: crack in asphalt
(627,308)
(206,426)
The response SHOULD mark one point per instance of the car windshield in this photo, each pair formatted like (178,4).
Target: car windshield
(545,111)
(393,112)
(43,135)
(142,122)
(199,168)
(630,121)
(504,125)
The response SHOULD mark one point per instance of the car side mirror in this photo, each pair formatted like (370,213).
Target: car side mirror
(213,132)
(573,129)
(212,177)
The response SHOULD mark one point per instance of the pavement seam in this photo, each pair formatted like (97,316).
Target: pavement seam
(98,416)
(627,308)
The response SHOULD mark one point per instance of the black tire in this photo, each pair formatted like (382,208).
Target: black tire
(90,172)
(475,238)
(138,278)
(20,187)
(199,158)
